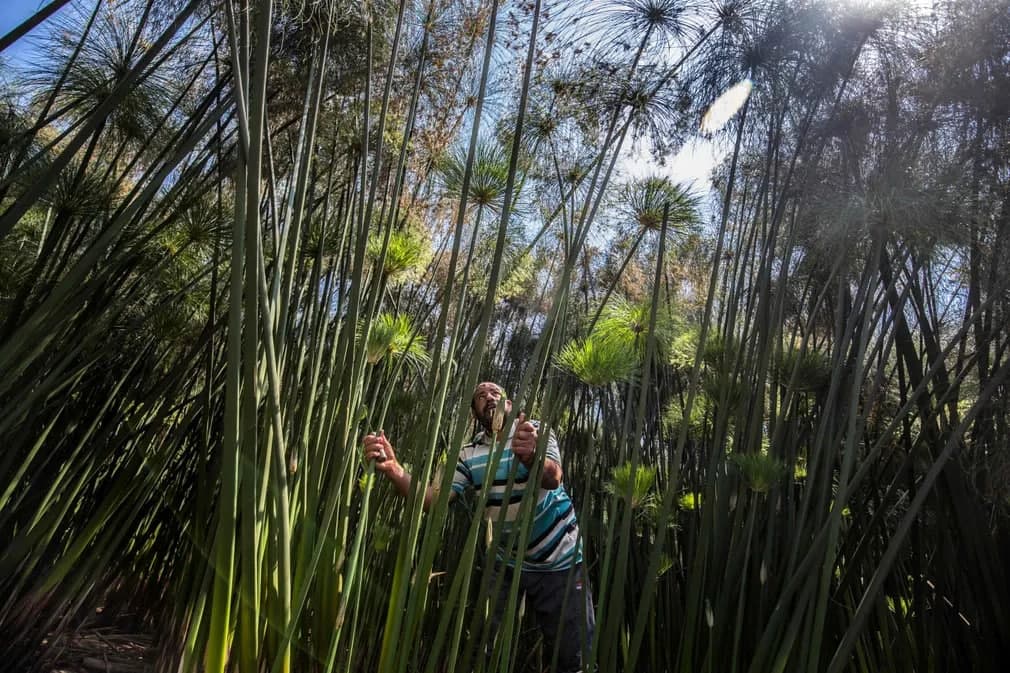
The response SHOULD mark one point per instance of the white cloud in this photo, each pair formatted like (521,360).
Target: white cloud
(691,166)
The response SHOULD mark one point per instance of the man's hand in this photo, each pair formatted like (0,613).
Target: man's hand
(377,448)
(524,447)
(524,440)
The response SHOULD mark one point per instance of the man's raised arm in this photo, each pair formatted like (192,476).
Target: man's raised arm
(524,446)
(378,449)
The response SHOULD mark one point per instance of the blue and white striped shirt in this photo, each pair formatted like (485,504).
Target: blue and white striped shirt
(554,538)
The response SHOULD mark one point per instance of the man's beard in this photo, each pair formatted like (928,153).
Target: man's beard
(487,417)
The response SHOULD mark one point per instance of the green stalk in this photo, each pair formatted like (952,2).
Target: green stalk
(644,387)
(673,485)
(481,338)
(30,196)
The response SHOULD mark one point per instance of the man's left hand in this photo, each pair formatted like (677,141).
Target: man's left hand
(524,441)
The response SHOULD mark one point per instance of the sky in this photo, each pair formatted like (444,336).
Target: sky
(12,14)
(692,165)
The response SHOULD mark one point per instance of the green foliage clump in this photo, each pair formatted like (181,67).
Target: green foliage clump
(760,470)
(598,361)
(645,200)
(624,323)
(689,501)
(382,535)
(723,388)
(627,323)
(157,399)
(394,336)
(519,279)
(321,239)
(615,348)
(719,351)
(673,417)
(683,349)
(83,193)
(637,483)
(407,254)
(488,176)
(719,383)
(813,370)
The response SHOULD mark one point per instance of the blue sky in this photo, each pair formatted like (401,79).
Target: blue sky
(12,13)
(692,164)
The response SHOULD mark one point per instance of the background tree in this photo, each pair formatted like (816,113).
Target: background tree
(237,235)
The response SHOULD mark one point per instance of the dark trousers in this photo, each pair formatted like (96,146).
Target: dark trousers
(568,623)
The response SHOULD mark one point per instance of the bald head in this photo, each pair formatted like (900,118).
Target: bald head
(486,398)
(485,387)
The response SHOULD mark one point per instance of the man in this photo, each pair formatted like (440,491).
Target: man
(552,564)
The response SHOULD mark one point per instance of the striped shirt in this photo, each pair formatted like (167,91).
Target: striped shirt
(554,537)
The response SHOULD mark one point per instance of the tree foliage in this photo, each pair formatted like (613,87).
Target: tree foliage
(236,236)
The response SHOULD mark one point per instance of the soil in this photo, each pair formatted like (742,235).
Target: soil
(104,650)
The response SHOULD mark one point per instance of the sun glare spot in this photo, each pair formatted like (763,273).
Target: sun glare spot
(725,106)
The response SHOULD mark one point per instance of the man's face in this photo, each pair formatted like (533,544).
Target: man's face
(486,399)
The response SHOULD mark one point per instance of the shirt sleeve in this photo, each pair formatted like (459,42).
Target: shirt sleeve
(553,452)
(462,477)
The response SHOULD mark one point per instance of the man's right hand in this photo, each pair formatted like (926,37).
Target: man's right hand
(377,448)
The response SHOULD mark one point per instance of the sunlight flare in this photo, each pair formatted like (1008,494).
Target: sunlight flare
(725,106)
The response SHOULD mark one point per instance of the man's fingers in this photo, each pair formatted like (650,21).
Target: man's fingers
(373,439)
(524,453)
(377,455)
(377,447)
(526,432)
(524,443)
